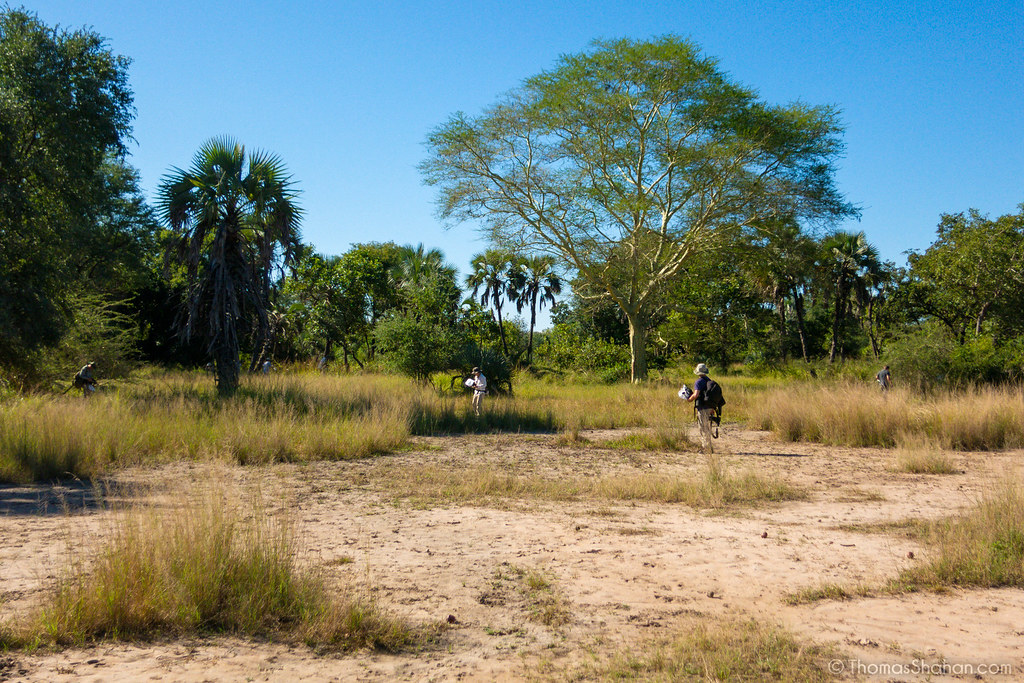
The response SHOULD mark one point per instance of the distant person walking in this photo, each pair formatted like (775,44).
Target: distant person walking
(884,379)
(85,379)
(704,410)
(479,385)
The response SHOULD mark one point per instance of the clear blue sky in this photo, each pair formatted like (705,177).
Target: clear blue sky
(932,92)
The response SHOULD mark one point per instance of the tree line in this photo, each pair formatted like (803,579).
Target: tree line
(682,216)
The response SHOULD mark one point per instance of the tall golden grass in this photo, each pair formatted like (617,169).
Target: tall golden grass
(850,415)
(167,416)
(207,565)
(283,417)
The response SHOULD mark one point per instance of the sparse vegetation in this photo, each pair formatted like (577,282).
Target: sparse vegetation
(829,591)
(205,566)
(716,487)
(543,601)
(720,650)
(982,548)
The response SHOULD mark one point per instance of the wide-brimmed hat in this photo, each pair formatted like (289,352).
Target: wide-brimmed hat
(476,370)
(701,369)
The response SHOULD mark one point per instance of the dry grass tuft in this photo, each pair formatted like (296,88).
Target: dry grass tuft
(208,566)
(982,548)
(719,650)
(917,455)
(432,484)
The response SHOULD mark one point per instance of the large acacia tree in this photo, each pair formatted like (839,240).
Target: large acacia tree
(235,216)
(627,161)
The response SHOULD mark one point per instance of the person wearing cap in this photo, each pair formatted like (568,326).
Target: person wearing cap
(479,386)
(85,379)
(703,413)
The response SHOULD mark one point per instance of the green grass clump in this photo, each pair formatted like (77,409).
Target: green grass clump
(658,439)
(829,591)
(205,567)
(723,650)
(538,592)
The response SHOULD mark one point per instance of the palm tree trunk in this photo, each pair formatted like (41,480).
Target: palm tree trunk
(798,306)
(837,321)
(533,323)
(501,331)
(226,360)
(875,350)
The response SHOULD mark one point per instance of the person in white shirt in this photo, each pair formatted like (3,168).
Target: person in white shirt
(479,389)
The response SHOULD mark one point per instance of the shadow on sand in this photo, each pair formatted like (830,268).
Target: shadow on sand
(69,497)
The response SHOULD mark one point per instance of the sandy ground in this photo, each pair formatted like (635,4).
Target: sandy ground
(628,572)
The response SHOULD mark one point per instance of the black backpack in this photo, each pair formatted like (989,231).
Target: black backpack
(712,397)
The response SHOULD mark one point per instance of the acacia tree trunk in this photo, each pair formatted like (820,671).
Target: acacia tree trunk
(637,347)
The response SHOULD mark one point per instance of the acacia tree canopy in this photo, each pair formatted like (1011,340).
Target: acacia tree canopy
(627,161)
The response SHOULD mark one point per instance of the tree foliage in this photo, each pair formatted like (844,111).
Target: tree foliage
(628,160)
(65,114)
(972,273)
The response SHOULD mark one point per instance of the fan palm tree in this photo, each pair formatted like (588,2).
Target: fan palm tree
(235,216)
(534,282)
(417,263)
(853,264)
(490,280)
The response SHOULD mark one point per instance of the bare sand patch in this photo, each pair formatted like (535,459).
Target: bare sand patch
(628,571)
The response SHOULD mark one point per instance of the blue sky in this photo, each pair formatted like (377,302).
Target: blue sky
(345,92)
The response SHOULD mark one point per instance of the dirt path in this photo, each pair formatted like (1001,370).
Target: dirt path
(628,571)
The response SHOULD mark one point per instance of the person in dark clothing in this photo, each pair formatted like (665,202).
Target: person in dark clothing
(85,379)
(704,412)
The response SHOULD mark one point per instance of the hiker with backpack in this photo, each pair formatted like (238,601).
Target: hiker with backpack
(85,379)
(708,402)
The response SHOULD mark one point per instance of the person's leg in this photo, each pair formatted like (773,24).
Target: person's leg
(478,399)
(704,421)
